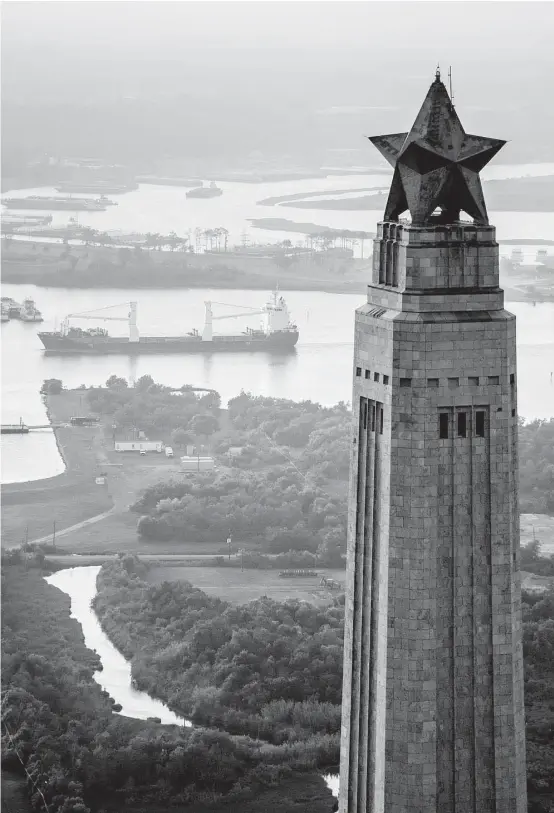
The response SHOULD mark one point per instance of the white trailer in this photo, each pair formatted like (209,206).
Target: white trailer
(197,463)
(138,446)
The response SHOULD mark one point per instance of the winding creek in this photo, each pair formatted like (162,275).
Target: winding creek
(79,583)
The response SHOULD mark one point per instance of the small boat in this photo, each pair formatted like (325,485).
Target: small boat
(29,312)
(11,307)
(211,191)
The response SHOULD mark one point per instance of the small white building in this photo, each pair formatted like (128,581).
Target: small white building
(197,463)
(138,446)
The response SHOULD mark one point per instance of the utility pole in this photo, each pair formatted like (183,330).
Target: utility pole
(54,535)
(229,540)
(242,560)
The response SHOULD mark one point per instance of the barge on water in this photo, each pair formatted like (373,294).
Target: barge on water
(277,333)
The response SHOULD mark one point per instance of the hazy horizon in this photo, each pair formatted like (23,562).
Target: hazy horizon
(295,79)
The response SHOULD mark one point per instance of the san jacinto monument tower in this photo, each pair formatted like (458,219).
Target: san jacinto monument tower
(433,716)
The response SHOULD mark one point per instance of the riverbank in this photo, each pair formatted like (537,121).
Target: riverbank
(104,760)
(39,507)
(507,195)
(86,266)
(73,498)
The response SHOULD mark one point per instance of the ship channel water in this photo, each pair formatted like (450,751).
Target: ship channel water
(162,209)
(320,369)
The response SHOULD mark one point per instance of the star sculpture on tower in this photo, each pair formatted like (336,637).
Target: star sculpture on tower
(436,165)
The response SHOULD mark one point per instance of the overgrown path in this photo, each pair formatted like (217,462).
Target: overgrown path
(76,527)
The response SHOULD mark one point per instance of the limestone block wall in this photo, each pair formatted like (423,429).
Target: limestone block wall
(461,255)
(433,714)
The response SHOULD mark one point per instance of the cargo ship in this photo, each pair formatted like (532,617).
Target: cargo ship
(277,333)
(211,191)
(53,203)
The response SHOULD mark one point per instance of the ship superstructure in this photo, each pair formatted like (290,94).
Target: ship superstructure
(277,333)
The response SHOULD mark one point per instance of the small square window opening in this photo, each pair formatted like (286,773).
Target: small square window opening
(358,371)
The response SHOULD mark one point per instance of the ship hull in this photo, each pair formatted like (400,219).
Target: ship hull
(281,342)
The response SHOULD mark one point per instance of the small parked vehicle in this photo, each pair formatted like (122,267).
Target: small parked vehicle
(168,451)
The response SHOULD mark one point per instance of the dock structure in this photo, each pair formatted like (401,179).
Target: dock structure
(22,428)
(15,428)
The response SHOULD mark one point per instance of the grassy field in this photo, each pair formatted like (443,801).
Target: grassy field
(231,584)
(29,510)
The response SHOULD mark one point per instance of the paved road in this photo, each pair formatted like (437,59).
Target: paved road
(76,559)
(63,531)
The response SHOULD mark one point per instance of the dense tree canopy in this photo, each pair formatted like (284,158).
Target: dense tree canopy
(536,464)
(59,727)
(155,409)
(283,478)
(268,669)
(274,670)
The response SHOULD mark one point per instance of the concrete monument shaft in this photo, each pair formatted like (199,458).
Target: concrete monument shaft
(433,715)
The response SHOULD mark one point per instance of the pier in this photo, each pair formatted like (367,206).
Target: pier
(23,429)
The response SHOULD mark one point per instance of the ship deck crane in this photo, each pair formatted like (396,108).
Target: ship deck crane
(131,318)
(207,333)
(276,313)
